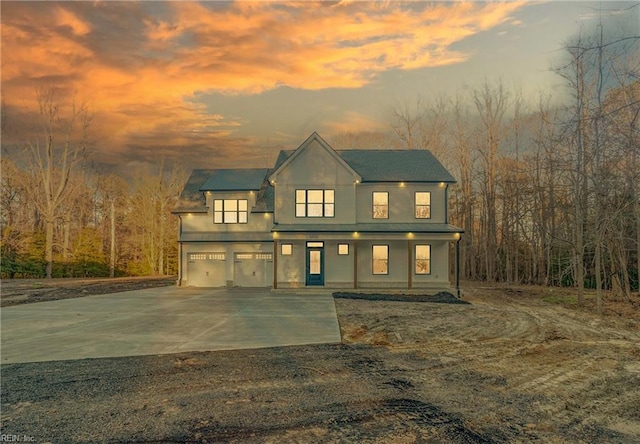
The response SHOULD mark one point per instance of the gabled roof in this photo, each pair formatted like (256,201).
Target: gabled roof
(245,179)
(282,161)
(397,166)
(264,199)
(370,165)
(191,199)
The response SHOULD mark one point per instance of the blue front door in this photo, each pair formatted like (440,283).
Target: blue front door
(315,266)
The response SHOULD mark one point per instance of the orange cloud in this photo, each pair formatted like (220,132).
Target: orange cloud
(350,121)
(141,64)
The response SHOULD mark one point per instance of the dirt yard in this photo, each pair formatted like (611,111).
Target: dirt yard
(27,291)
(517,364)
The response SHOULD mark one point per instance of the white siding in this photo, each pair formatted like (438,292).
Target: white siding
(401,202)
(315,168)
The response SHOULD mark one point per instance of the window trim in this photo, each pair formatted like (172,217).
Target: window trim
(223,212)
(415,267)
(305,203)
(373,204)
(338,249)
(415,204)
(373,259)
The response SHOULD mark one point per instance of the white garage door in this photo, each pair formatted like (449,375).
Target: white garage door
(206,269)
(253,269)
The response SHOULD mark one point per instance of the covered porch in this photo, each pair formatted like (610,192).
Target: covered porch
(410,257)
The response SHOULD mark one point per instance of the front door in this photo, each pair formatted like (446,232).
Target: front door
(315,265)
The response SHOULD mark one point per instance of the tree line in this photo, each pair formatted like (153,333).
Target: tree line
(547,193)
(59,217)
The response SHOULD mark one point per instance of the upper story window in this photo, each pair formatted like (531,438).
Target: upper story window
(423,205)
(230,211)
(380,205)
(315,203)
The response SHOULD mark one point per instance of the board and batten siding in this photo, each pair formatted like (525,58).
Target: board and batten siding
(315,168)
(401,202)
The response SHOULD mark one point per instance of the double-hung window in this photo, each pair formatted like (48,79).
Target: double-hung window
(230,211)
(423,205)
(380,205)
(423,259)
(315,203)
(380,259)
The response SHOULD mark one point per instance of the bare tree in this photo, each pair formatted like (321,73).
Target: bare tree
(153,198)
(114,193)
(491,103)
(53,155)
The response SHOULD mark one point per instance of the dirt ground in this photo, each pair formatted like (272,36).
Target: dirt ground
(517,364)
(27,291)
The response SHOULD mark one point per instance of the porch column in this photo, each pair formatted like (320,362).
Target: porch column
(409,267)
(275,264)
(179,264)
(355,264)
(458,266)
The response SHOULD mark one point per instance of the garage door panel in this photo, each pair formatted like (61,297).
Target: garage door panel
(253,269)
(206,269)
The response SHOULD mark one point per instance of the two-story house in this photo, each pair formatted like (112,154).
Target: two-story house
(320,218)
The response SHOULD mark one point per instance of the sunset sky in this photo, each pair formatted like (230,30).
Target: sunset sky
(220,84)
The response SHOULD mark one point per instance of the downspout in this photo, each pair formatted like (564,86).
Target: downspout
(179,251)
(275,264)
(458,265)
(446,204)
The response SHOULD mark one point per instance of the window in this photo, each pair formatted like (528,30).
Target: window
(206,256)
(423,259)
(230,211)
(343,249)
(423,205)
(315,203)
(381,259)
(380,205)
(286,249)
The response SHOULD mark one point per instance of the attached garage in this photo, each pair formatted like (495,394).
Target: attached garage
(206,269)
(253,269)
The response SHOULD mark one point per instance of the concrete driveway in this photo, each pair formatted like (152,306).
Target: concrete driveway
(164,320)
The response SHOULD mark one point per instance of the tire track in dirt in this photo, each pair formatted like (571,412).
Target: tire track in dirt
(564,361)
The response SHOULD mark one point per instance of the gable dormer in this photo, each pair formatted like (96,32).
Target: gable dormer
(314,184)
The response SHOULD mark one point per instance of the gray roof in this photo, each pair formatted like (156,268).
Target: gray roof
(370,228)
(371,165)
(191,199)
(265,198)
(245,179)
(390,165)
(396,166)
